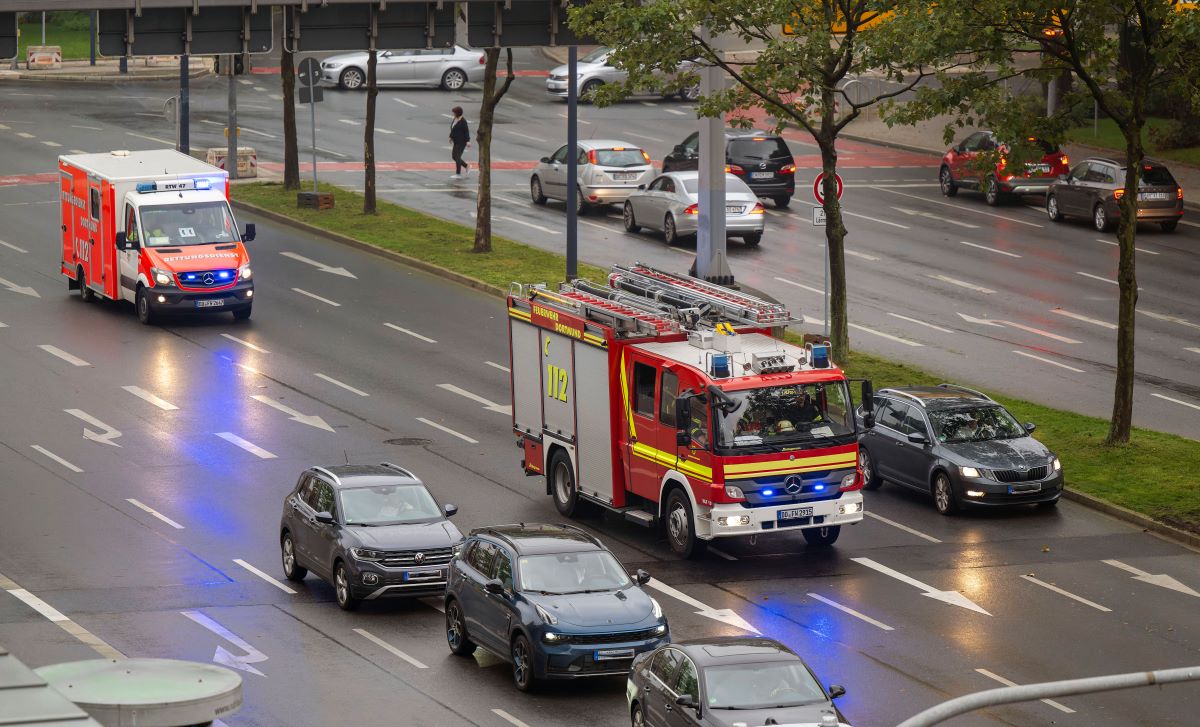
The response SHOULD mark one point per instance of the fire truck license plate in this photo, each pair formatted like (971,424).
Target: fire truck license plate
(795,512)
(215,303)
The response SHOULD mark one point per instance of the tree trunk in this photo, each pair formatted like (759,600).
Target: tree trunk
(483,135)
(1122,415)
(369,136)
(291,156)
(835,233)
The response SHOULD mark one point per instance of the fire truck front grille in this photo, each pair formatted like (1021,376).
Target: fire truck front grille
(1033,473)
(206,279)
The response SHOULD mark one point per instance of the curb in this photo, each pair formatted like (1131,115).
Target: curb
(891,144)
(1135,518)
(367,247)
(103,77)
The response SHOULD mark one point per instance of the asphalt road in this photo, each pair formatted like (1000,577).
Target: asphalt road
(118,543)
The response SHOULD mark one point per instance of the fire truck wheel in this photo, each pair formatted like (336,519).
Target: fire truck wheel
(680,534)
(86,294)
(822,537)
(871,478)
(145,313)
(562,485)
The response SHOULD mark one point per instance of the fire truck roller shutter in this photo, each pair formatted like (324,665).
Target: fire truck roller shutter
(595,435)
(527,403)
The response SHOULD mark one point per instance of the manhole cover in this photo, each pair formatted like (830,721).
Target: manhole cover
(409,442)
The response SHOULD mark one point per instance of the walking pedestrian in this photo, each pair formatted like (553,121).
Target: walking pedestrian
(460,139)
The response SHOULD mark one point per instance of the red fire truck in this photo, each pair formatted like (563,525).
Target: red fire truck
(153,228)
(669,400)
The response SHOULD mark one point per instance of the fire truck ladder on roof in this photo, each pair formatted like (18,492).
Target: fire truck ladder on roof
(682,291)
(624,313)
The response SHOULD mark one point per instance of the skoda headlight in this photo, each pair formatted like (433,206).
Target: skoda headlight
(1056,464)
(162,277)
(244,272)
(368,554)
(657,608)
(734,492)
(969,471)
(546,615)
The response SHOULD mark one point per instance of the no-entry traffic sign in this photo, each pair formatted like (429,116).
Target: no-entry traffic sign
(817,185)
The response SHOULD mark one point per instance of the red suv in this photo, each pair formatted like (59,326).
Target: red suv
(960,169)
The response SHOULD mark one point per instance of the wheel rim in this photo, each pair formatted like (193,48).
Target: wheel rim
(692,93)
(535,188)
(1052,207)
(1101,218)
(454,80)
(942,494)
(991,190)
(945,180)
(864,461)
(289,556)
(638,719)
(453,625)
(627,213)
(343,588)
(520,662)
(562,483)
(353,79)
(677,523)
(669,229)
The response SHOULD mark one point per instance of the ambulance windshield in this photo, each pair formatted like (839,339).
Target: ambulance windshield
(191,223)
(804,414)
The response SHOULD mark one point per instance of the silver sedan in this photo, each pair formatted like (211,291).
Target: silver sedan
(671,203)
(609,170)
(595,69)
(450,68)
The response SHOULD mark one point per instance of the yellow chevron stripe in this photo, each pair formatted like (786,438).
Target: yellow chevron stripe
(518,313)
(667,459)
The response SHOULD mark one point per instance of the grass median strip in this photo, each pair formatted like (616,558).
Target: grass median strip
(1155,475)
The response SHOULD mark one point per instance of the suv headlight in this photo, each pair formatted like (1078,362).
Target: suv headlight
(657,608)
(1056,464)
(457,548)
(546,615)
(969,472)
(162,277)
(551,637)
(244,272)
(734,492)
(368,554)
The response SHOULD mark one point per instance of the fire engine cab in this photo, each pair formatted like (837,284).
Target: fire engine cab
(669,399)
(153,228)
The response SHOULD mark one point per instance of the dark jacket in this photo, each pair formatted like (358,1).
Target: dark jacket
(459,133)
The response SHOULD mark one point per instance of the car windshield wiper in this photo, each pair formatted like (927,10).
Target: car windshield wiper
(586,590)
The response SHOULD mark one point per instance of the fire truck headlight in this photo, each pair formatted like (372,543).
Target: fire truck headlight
(850,508)
(244,272)
(733,520)
(734,492)
(162,277)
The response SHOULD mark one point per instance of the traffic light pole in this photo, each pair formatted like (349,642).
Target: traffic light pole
(184,142)
(231,151)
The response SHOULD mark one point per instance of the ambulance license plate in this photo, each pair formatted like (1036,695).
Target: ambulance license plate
(214,303)
(795,513)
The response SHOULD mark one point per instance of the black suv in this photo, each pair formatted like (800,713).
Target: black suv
(958,445)
(1094,188)
(370,530)
(759,158)
(552,601)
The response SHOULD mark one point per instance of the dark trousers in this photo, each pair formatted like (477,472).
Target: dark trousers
(456,155)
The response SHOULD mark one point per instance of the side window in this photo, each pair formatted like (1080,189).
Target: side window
(94,199)
(1110,174)
(1095,173)
(1079,172)
(560,156)
(666,402)
(657,184)
(665,663)
(583,158)
(971,143)
(688,681)
(692,143)
(131,231)
(504,570)
(325,499)
(483,557)
(699,425)
(668,185)
(987,143)
(893,415)
(915,422)
(308,491)
(643,389)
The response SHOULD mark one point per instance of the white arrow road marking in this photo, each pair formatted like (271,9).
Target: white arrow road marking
(920,323)
(223,656)
(56,351)
(888,336)
(143,506)
(900,526)
(55,457)
(278,584)
(141,393)
(388,647)
(1085,319)
(1175,401)
(11,246)
(979,321)
(939,218)
(962,284)
(989,249)
(810,289)
(319,266)
(104,437)
(250,447)
(1169,319)
(509,718)
(314,296)
(1008,683)
(247,344)
(954,598)
(851,611)
(495,365)
(487,404)
(335,382)
(99,645)
(1048,361)
(724,615)
(1163,580)
(1068,594)
(415,335)
(448,430)
(312,421)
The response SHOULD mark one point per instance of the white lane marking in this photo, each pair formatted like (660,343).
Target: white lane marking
(851,611)
(352,122)
(260,89)
(863,217)
(278,584)
(1189,224)
(813,321)
(89,128)
(448,430)
(901,526)
(989,249)
(1101,279)
(11,246)
(97,644)
(1161,579)
(151,138)
(141,393)
(527,136)
(647,104)
(1193,350)
(520,103)
(418,336)
(335,382)
(56,351)
(724,615)
(3,324)
(52,143)
(495,365)
(210,122)
(809,288)
(319,265)
(275,96)
(953,598)
(1169,319)
(103,437)
(931,216)
(222,656)
(245,82)
(22,289)
(410,105)
(1085,319)
(1049,361)
(143,506)
(55,457)
(996,677)
(920,322)
(646,137)
(1177,401)
(245,343)
(1040,332)
(50,612)
(677,112)
(527,224)
(508,717)
(388,647)
(962,284)
(78,151)
(250,447)
(314,296)
(312,421)
(721,553)
(384,131)
(862,255)
(25,135)
(585,123)
(960,207)
(417,139)
(1139,249)
(1068,594)
(888,336)
(256,131)
(487,403)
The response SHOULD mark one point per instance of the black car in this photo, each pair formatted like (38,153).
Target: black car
(761,159)
(958,445)
(552,601)
(728,681)
(370,530)
(1094,188)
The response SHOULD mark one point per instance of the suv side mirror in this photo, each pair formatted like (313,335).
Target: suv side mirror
(494,587)
(1030,426)
(918,438)
(250,233)
(324,518)
(836,690)
(641,577)
(450,510)
(685,700)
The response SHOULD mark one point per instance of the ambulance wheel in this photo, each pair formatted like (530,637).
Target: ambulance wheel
(563,487)
(242,314)
(145,312)
(86,294)
(681,531)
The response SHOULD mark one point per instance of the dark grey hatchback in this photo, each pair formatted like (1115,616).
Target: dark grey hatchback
(959,446)
(370,530)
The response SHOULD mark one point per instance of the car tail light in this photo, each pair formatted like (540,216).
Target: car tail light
(1064,160)
(1002,164)
(482,60)
(645,156)
(1118,193)
(789,169)
(758,209)
(734,169)
(692,209)
(592,156)
(1179,193)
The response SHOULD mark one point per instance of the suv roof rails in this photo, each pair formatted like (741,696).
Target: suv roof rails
(495,532)
(336,480)
(898,392)
(1105,160)
(956,387)
(399,469)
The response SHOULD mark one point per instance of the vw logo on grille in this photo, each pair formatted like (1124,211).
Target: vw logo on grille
(419,558)
(209,279)
(793,484)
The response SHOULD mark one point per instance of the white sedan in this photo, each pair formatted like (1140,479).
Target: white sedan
(671,203)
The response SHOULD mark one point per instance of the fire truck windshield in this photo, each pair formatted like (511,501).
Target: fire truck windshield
(191,223)
(805,414)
